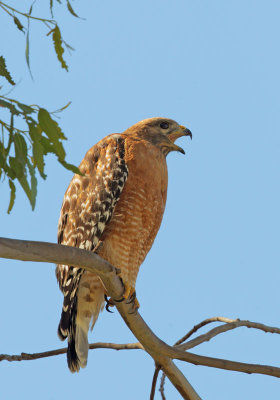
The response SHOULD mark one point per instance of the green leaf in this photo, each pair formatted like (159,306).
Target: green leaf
(34,132)
(33,192)
(47,146)
(53,131)
(71,9)
(31,7)
(62,108)
(12,195)
(2,156)
(4,72)
(18,24)
(26,109)
(51,7)
(10,106)
(38,157)
(49,126)
(57,40)
(17,169)
(25,185)
(20,148)
(27,52)
(70,167)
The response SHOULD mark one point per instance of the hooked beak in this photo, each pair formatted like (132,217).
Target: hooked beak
(183,131)
(186,131)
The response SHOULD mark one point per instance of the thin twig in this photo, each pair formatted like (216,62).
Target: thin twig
(51,353)
(25,14)
(154,382)
(224,328)
(229,325)
(201,324)
(161,388)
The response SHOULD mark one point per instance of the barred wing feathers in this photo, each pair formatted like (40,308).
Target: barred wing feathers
(87,208)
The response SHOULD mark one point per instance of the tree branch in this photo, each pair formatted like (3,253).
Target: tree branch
(159,351)
(57,352)
(59,254)
(224,328)
(201,324)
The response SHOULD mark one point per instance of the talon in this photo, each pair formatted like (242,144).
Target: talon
(119,300)
(128,291)
(107,308)
(109,303)
(131,298)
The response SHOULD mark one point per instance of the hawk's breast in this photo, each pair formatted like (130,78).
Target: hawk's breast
(138,213)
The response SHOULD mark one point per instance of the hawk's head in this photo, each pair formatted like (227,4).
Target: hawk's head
(162,132)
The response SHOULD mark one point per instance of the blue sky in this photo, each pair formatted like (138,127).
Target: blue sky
(213,67)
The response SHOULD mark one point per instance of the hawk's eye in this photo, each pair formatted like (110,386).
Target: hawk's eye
(164,125)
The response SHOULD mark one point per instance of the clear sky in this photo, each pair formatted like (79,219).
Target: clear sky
(214,67)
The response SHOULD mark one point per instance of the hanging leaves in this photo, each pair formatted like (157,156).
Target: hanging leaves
(57,40)
(25,152)
(70,8)
(4,72)
(18,24)
(12,195)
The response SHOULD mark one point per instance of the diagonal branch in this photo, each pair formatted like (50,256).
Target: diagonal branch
(159,351)
(229,325)
(59,254)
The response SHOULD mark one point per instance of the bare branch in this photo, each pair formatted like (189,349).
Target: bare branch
(224,328)
(154,383)
(51,353)
(161,388)
(229,325)
(159,351)
(201,324)
(53,253)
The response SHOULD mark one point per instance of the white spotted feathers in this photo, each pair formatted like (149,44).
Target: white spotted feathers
(87,208)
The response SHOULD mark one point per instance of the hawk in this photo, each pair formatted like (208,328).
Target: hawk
(115,210)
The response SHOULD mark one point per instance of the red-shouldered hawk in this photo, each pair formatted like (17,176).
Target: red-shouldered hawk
(115,210)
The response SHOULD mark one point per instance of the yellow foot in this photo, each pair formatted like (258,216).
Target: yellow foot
(130,295)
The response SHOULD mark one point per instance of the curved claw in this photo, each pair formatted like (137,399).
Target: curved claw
(120,300)
(107,308)
(108,304)
(131,298)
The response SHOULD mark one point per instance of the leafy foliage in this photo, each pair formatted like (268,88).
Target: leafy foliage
(57,40)
(32,132)
(50,24)
(4,72)
(23,151)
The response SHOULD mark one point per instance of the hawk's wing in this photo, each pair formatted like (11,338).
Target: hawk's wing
(87,208)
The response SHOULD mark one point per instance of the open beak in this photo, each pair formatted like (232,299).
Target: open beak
(183,131)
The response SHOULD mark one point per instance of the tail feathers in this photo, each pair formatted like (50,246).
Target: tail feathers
(63,326)
(69,309)
(81,345)
(73,360)
(79,308)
